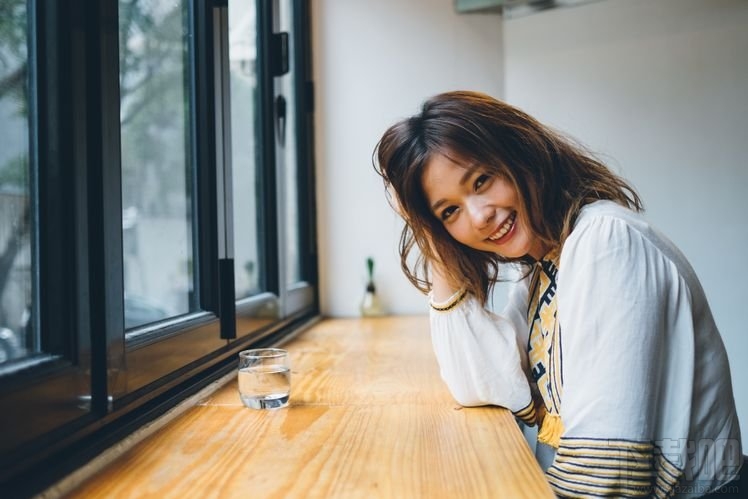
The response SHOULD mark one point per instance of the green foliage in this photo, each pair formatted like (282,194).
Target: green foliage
(13,53)
(154,67)
(370,268)
(13,32)
(15,172)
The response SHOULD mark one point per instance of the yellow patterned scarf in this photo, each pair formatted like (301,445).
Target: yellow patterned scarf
(544,346)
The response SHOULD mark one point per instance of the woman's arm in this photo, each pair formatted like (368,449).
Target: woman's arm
(479,357)
(613,292)
(441,288)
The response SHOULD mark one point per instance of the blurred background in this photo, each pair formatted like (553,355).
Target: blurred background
(657,88)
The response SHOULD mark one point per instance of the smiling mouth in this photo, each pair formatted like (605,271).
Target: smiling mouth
(504,228)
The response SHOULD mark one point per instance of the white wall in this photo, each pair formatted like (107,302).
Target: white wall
(660,87)
(376,61)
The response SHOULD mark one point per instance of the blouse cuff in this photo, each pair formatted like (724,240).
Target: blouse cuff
(527,414)
(450,303)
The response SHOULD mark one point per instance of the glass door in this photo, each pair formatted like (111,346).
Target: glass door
(291,93)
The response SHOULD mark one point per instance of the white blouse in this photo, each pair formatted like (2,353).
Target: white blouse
(646,404)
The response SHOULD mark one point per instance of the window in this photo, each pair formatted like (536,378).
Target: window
(17,332)
(157,168)
(245,149)
(156,211)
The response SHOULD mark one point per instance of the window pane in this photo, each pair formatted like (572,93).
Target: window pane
(156,166)
(288,152)
(16,336)
(244,145)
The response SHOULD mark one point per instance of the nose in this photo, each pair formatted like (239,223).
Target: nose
(481,213)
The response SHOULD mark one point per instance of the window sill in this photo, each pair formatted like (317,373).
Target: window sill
(369,415)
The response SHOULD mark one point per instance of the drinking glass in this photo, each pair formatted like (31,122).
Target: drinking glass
(264,378)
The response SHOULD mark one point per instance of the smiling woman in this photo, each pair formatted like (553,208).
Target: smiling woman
(552,177)
(479,209)
(607,339)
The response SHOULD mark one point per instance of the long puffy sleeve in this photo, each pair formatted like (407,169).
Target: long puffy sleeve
(480,355)
(633,322)
(610,308)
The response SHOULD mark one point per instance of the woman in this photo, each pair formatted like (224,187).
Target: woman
(607,342)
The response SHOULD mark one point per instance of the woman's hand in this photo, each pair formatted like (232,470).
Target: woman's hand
(441,288)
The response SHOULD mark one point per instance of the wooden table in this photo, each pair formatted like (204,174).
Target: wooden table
(369,417)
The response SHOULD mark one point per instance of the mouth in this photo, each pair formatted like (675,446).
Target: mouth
(504,230)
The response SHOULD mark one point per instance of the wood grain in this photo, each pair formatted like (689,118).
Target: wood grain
(369,417)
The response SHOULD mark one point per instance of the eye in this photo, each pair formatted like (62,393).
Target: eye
(480,181)
(447,212)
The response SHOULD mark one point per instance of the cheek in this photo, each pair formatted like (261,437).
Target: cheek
(505,192)
(528,236)
(525,226)
(458,232)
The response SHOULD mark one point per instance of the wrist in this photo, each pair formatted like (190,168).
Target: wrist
(441,287)
(450,303)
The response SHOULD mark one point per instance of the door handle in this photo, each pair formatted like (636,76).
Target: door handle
(280,119)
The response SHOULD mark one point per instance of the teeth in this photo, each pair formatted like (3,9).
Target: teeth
(504,228)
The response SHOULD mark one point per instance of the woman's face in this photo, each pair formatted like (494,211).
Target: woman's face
(478,209)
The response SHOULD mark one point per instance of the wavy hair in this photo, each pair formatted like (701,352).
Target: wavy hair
(554,178)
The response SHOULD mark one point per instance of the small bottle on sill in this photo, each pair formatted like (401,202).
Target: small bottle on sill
(370,305)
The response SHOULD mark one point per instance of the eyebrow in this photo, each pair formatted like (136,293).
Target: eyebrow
(469,170)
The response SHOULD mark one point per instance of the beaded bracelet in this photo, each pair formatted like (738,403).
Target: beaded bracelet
(451,303)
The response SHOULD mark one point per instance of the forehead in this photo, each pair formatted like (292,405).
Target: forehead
(443,173)
(440,165)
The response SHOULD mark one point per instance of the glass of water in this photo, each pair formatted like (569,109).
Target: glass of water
(264,378)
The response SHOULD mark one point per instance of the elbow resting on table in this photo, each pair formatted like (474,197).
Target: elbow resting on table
(465,398)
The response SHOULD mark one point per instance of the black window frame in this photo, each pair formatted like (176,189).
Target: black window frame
(78,213)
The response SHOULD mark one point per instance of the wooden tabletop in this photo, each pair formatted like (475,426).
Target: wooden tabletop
(369,417)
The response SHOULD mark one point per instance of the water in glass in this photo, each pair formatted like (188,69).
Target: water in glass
(265,386)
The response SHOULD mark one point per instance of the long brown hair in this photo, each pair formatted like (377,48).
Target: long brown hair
(554,178)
